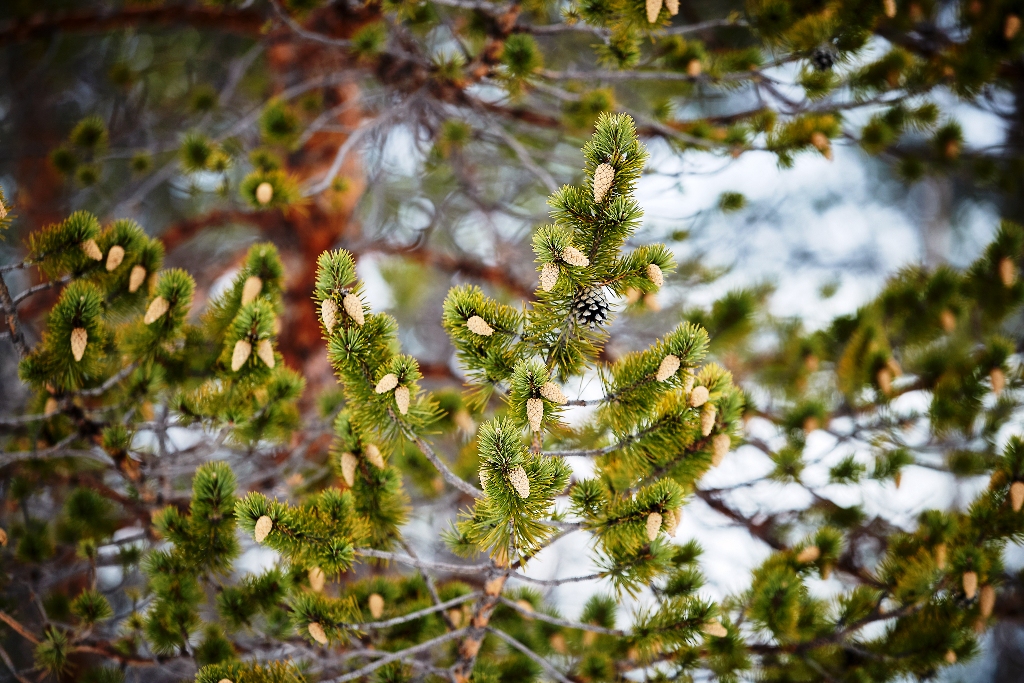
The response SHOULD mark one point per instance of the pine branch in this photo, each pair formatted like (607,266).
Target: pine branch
(412,616)
(109,383)
(13,322)
(398,656)
(424,564)
(10,666)
(436,461)
(557,582)
(39,288)
(533,614)
(18,628)
(545,664)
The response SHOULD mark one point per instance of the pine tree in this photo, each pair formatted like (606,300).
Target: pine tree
(347,597)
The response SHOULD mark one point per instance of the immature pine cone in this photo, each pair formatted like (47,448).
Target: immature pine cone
(653,525)
(535,413)
(79,340)
(373,455)
(251,289)
(402,400)
(114,257)
(604,175)
(699,396)
(92,250)
(655,275)
(520,482)
(478,325)
(348,468)
(329,314)
(240,354)
(669,366)
(157,308)
(354,308)
(136,278)
(653,10)
(263,527)
(265,352)
(376,605)
(553,393)
(719,449)
(575,257)
(548,276)
(386,383)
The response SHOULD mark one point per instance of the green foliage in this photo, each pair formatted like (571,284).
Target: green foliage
(125,367)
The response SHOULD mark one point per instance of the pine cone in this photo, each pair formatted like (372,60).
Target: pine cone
(822,144)
(669,366)
(575,257)
(114,257)
(329,314)
(699,396)
(1008,272)
(809,554)
(1012,26)
(653,525)
(655,275)
(251,289)
(672,520)
(604,176)
(719,449)
(348,468)
(354,308)
(884,380)
(79,340)
(987,601)
(264,193)
(940,556)
(402,400)
(590,307)
(890,8)
(136,278)
(373,456)
(157,308)
(1017,495)
(386,383)
(535,413)
(318,633)
(714,628)
(998,378)
(520,482)
(92,250)
(240,354)
(478,325)
(376,604)
(673,7)
(553,393)
(707,419)
(263,527)
(548,277)
(265,351)
(653,10)
(317,579)
(823,58)
(970,581)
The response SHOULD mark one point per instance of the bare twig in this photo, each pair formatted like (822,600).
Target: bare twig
(560,622)
(545,664)
(397,656)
